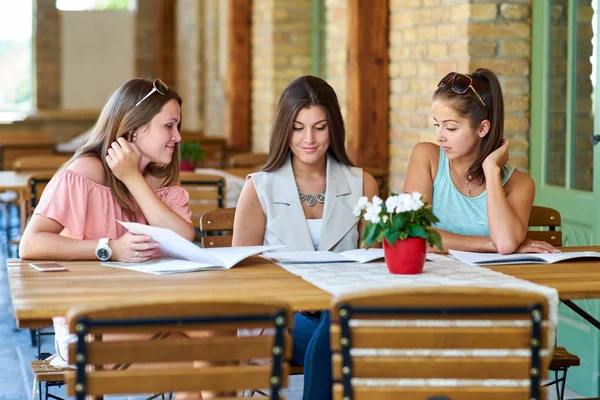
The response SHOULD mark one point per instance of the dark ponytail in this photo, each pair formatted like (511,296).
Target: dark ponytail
(467,105)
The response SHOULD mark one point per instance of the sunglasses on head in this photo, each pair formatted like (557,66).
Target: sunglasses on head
(158,86)
(460,84)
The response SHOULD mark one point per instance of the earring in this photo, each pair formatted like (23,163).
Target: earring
(134,137)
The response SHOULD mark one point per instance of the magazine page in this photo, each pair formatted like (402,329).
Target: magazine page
(494,258)
(163,266)
(229,256)
(172,244)
(363,255)
(531,258)
(306,257)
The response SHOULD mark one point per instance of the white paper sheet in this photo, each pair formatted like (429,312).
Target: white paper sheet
(174,246)
(532,258)
(319,257)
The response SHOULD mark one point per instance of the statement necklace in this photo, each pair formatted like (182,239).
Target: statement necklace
(312,199)
(462,178)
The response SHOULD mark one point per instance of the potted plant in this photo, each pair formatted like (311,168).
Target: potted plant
(191,152)
(403,223)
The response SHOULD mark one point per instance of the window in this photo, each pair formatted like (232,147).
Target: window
(81,5)
(16,56)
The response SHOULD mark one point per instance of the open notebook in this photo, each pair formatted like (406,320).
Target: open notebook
(183,255)
(531,258)
(320,257)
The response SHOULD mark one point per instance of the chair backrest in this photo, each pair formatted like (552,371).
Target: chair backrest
(39,163)
(381,176)
(248,160)
(393,343)
(549,219)
(37,184)
(217,222)
(207,192)
(227,354)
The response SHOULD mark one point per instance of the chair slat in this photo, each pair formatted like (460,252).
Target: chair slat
(544,216)
(421,393)
(216,241)
(437,337)
(212,378)
(552,237)
(218,348)
(438,367)
(218,220)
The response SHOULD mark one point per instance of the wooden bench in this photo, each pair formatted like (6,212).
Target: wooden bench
(42,371)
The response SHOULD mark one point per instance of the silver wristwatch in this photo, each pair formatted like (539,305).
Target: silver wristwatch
(103,251)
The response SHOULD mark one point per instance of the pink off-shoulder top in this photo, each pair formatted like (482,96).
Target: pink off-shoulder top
(88,210)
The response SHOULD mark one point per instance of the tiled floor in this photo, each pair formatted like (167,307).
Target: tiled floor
(16,351)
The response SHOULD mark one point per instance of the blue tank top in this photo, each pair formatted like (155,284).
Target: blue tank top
(458,213)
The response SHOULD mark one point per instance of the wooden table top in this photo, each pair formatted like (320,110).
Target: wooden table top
(577,279)
(37,296)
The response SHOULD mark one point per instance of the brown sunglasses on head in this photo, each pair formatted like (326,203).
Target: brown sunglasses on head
(460,84)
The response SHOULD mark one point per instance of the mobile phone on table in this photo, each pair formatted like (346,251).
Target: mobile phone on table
(48,266)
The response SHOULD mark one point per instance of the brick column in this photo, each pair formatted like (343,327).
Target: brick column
(47,50)
(281,52)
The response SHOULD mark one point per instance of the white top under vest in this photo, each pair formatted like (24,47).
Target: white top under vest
(286,223)
(314,227)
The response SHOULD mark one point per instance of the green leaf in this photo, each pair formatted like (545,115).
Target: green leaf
(435,239)
(417,231)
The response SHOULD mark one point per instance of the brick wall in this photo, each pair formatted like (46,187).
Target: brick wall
(281,52)
(429,38)
(336,45)
(47,52)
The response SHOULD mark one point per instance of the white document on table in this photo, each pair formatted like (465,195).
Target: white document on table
(183,255)
(320,257)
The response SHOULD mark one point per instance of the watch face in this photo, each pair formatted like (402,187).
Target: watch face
(103,254)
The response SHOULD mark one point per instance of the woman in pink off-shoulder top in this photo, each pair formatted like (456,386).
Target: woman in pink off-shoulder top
(128,170)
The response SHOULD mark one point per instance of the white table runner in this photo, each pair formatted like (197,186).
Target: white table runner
(344,278)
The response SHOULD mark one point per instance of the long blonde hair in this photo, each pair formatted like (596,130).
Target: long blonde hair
(118,118)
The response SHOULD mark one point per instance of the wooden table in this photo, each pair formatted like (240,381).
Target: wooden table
(37,297)
(573,280)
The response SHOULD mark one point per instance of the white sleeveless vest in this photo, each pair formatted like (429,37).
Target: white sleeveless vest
(286,223)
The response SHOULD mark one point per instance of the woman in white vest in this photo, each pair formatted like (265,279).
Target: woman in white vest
(303,198)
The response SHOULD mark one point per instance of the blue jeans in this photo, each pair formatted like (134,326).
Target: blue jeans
(312,349)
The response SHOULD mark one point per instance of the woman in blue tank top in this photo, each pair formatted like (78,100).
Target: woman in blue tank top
(482,202)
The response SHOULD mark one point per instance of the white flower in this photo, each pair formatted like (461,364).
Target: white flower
(363,202)
(377,201)
(391,204)
(372,213)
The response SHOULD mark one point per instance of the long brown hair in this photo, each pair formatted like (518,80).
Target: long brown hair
(305,92)
(118,118)
(467,105)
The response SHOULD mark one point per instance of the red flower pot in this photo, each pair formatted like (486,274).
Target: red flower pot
(405,256)
(186,165)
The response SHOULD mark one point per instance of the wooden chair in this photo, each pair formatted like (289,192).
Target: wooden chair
(382,336)
(381,176)
(226,373)
(41,162)
(548,218)
(219,221)
(248,160)
(207,192)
